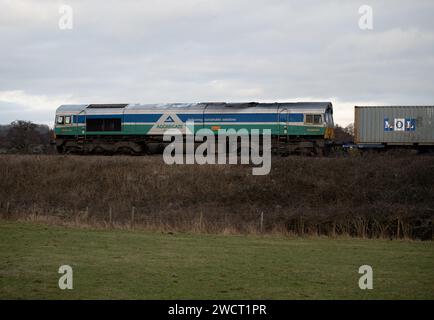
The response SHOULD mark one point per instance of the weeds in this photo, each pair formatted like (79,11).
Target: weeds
(377,196)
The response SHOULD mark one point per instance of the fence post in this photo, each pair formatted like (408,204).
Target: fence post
(7,207)
(262,221)
(86,217)
(301,228)
(334,229)
(110,217)
(397,229)
(200,220)
(133,209)
(160,219)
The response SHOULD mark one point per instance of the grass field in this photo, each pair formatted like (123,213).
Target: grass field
(119,264)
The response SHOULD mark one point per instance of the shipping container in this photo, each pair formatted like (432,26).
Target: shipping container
(394,125)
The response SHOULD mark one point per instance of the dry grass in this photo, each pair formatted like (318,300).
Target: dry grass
(375,196)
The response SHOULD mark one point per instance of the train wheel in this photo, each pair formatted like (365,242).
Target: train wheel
(125,151)
(60,149)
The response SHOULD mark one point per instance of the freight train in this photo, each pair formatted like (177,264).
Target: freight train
(305,128)
(296,128)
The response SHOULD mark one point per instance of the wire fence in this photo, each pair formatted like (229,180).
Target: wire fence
(297,223)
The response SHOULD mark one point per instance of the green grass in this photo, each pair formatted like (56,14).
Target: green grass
(116,264)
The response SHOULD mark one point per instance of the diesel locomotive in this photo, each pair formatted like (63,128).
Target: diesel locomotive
(301,127)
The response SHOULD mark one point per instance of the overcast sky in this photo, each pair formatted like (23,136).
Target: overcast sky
(192,51)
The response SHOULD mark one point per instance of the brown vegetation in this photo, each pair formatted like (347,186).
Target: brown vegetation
(370,196)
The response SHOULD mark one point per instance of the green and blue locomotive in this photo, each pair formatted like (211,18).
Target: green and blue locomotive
(301,127)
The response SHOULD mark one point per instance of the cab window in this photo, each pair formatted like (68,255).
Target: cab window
(68,120)
(313,119)
(60,119)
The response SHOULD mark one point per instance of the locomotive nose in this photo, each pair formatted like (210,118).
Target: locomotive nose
(329,134)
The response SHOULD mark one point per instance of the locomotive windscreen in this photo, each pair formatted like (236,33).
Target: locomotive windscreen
(112,124)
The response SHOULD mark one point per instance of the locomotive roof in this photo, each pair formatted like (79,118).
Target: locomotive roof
(305,106)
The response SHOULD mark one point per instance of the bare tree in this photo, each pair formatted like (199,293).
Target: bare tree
(350,129)
(24,136)
(344,135)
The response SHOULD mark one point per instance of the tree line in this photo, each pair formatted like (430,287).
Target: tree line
(26,137)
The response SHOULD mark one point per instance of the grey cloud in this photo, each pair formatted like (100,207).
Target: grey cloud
(158,51)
